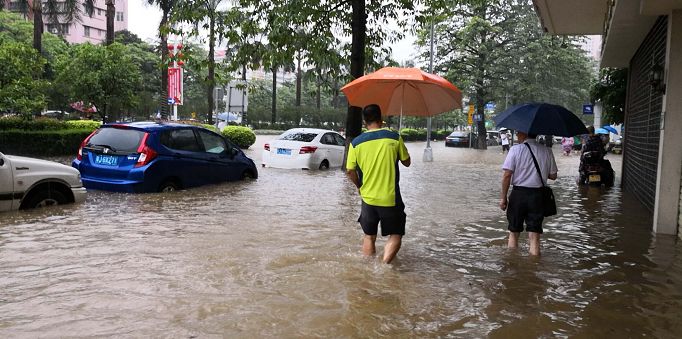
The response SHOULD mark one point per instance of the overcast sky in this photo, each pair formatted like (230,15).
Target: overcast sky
(143,20)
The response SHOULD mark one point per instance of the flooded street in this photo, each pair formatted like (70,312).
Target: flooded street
(280,257)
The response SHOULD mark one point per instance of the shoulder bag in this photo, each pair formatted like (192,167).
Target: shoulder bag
(548,202)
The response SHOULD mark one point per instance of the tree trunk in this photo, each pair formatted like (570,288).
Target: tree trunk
(163,48)
(319,94)
(357,65)
(211,68)
(38,26)
(482,133)
(274,97)
(111,15)
(244,113)
(298,81)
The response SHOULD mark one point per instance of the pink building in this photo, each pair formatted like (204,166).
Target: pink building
(90,28)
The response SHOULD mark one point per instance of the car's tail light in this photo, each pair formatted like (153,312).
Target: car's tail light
(147,154)
(85,142)
(267,147)
(307,149)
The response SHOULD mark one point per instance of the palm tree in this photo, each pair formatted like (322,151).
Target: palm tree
(57,12)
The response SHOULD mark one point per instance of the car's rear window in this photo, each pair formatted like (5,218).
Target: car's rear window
(458,134)
(119,140)
(299,136)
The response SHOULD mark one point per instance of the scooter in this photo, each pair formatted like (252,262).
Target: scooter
(595,170)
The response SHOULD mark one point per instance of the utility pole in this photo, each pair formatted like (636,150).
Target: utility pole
(428,152)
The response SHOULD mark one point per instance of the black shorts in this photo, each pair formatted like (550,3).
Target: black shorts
(525,204)
(505,147)
(392,219)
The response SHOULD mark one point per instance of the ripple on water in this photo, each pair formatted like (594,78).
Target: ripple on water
(279,257)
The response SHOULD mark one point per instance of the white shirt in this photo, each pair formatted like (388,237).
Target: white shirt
(505,139)
(520,162)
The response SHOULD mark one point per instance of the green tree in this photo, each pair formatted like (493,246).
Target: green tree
(58,12)
(495,51)
(104,76)
(610,88)
(21,90)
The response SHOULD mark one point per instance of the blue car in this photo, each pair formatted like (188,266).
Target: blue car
(158,157)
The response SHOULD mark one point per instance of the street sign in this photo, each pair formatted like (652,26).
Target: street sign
(588,109)
(171,101)
(175,85)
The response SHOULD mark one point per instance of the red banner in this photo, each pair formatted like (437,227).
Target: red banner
(175,85)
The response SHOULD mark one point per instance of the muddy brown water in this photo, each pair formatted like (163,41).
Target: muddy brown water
(279,257)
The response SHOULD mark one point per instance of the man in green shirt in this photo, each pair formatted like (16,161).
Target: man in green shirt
(372,166)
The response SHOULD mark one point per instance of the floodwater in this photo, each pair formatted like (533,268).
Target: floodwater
(279,257)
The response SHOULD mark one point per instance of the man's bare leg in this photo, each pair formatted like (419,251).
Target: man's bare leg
(513,241)
(368,247)
(534,239)
(392,247)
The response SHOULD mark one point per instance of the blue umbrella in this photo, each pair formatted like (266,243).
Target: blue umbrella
(610,129)
(541,119)
(601,131)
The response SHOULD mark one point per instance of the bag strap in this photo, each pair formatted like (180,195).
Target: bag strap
(537,167)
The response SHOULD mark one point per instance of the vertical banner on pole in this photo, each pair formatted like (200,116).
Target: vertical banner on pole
(175,85)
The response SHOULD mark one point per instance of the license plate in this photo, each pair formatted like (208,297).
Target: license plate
(108,160)
(284,151)
(594,178)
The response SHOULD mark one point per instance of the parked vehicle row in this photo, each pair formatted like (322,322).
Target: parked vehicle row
(305,148)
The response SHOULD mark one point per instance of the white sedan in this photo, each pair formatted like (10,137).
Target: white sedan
(30,183)
(305,148)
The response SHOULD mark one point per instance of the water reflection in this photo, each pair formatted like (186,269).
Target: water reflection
(279,257)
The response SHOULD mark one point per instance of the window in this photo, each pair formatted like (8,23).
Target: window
(299,136)
(119,16)
(86,31)
(340,140)
(99,11)
(213,143)
(118,140)
(181,140)
(328,139)
(58,28)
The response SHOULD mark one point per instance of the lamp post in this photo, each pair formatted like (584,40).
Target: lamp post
(428,152)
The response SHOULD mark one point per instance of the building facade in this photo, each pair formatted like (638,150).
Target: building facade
(644,36)
(90,28)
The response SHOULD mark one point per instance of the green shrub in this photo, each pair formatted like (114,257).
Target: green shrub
(42,143)
(409,134)
(83,124)
(240,135)
(38,124)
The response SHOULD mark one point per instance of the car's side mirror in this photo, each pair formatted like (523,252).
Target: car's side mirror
(234,151)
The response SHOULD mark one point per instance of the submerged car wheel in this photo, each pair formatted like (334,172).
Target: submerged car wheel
(169,186)
(247,175)
(46,198)
(324,165)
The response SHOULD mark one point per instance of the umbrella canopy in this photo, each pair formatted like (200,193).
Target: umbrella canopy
(541,119)
(610,129)
(404,91)
(601,131)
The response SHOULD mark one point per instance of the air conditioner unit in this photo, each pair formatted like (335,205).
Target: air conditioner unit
(54,30)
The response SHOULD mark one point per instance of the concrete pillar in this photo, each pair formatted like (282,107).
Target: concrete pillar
(666,209)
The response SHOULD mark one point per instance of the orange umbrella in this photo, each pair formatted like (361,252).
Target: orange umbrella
(404,91)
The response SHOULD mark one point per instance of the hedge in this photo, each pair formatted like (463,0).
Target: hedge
(45,124)
(42,143)
(240,135)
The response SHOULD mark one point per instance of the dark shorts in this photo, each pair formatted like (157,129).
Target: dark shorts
(505,148)
(392,219)
(525,205)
